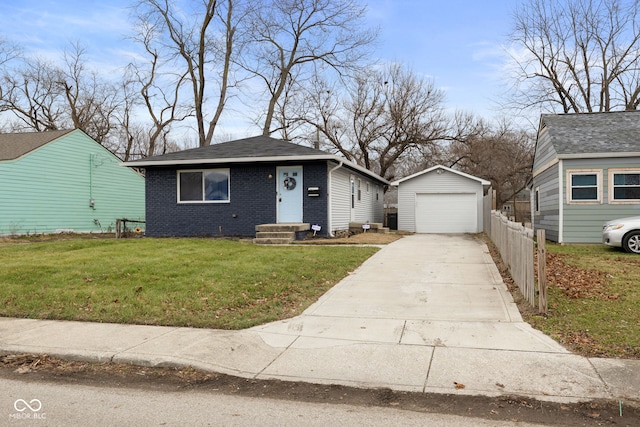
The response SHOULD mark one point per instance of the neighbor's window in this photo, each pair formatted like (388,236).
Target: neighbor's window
(203,185)
(626,186)
(584,186)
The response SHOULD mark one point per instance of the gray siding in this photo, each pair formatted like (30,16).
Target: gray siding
(583,222)
(433,183)
(549,216)
(545,152)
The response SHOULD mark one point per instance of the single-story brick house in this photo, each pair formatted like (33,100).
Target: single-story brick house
(231,188)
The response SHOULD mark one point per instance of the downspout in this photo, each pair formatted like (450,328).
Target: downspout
(329,216)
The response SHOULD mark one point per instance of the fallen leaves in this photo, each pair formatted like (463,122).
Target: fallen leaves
(576,282)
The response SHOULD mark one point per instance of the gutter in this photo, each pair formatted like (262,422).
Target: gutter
(329,216)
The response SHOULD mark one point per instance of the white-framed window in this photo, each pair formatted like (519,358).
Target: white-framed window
(624,186)
(536,200)
(584,186)
(203,186)
(359,189)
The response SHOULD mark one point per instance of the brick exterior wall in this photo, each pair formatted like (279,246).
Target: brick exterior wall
(252,201)
(315,209)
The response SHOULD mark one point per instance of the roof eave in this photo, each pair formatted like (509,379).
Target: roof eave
(188,162)
(484,182)
(567,156)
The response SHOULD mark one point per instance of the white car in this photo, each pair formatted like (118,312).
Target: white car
(623,233)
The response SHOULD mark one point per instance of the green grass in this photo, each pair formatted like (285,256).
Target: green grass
(212,283)
(600,315)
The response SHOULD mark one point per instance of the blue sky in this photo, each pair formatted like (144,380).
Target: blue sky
(458,43)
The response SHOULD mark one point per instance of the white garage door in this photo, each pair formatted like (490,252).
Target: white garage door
(446,213)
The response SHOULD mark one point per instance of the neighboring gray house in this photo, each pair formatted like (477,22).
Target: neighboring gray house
(440,200)
(586,171)
(230,188)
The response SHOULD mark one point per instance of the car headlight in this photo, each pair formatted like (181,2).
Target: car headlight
(611,227)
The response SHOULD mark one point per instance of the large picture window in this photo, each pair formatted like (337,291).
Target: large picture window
(584,186)
(625,186)
(203,185)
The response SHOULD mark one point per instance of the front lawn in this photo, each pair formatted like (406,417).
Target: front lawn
(212,283)
(594,300)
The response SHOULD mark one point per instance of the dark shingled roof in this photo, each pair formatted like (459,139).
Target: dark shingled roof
(593,133)
(14,145)
(249,148)
(254,149)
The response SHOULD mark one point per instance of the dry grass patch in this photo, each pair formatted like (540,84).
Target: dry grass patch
(356,239)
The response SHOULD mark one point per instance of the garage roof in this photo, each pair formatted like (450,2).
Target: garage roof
(445,169)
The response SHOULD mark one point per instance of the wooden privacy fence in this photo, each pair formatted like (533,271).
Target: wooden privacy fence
(516,246)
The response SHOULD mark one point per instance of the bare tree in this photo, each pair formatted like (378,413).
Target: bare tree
(31,94)
(158,88)
(196,43)
(91,101)
(287,35)
(577,55)
(387,117)
(43,96)
(501,154)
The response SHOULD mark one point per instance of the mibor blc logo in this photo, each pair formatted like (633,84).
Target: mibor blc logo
(28,410)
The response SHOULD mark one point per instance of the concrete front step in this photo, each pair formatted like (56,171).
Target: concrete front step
(283,227)
(272,240)
(276,235)
(374,227)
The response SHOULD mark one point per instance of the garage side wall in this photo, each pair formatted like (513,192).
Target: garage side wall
(434,183)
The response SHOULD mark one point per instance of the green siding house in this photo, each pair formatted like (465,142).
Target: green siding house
(64,181)
(586,171)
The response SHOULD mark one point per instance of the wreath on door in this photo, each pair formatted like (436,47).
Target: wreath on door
(289,183)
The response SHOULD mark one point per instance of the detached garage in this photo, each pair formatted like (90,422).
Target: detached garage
(440,200)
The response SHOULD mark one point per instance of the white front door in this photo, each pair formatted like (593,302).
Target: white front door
(290,190)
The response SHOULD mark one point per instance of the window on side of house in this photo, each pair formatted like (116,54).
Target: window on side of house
(584,186)
(359,189)
(208,186)
(536,200)
(625,186)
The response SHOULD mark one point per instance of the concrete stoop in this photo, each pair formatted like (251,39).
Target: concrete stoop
(279,234)
(374,227)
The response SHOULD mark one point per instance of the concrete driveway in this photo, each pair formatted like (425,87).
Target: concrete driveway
(435,290)
(429,313)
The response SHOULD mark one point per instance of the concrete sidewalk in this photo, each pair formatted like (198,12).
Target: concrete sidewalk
(428,313)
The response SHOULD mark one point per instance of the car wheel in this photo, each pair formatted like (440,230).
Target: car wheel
(631,242)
